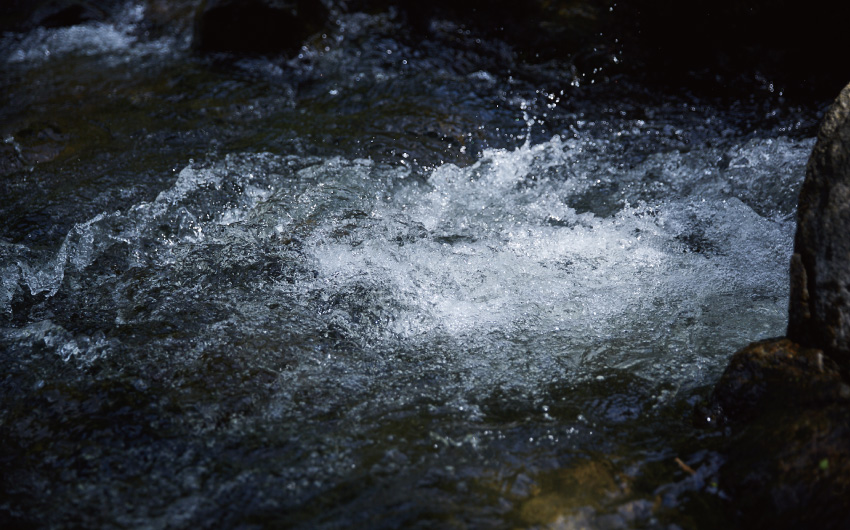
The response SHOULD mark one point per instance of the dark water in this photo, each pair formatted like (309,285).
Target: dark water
(374,285)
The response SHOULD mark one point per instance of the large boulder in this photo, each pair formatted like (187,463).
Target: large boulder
(257,26)
(819,313)
(786,410)
(785,403)
(775,375)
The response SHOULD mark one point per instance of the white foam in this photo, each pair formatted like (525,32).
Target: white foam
(68,346)
(115,40)
(489,268)
(492,258)
(91,39)
(77,251)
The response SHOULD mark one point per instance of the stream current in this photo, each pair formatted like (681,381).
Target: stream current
(374,286)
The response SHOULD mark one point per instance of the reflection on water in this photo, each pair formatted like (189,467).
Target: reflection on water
(355,308)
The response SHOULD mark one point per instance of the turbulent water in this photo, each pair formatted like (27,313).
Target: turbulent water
(497,314)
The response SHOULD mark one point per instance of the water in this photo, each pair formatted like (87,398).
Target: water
(315,294)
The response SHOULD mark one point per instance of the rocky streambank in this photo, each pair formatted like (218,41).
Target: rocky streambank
(785,403)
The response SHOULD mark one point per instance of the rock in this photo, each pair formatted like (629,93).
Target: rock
(785,403)
(774,375)
(788,422)
(29,143)
(819,312)
(256,26)
(791,471)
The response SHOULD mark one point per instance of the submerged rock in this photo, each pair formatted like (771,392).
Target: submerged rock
(819,314)
(256,26)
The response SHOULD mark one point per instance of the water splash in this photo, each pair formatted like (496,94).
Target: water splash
(357,298)
(500,265)
(117,41)
(493,258)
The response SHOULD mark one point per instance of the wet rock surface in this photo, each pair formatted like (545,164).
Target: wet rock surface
(775,374)
(794,391)
(788,420)
(820,270)
(802,479)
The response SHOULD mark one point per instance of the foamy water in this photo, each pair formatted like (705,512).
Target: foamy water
(491,263)
(287,331)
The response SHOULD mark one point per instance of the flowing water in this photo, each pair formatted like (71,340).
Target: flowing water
(375,285)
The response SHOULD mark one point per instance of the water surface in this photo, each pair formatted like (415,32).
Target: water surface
(374,285)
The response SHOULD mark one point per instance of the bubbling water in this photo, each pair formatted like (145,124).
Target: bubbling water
(326,322)
(494,260)
(493,265)
(322,303)
(108,39)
